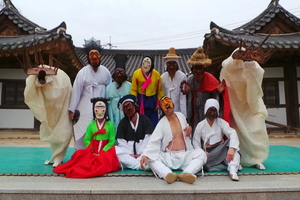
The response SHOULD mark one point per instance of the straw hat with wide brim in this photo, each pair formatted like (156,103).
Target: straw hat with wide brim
(171,54)
(199,58)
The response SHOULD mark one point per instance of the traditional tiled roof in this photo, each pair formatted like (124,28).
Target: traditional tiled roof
(266,16)
(284,39)
(20,35)
(13,14)
(135,59)
(41,39)
(252,33)
(25,41)
(278,41)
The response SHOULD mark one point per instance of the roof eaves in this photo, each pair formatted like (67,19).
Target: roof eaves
(278,41)
(266,16)
(14,15)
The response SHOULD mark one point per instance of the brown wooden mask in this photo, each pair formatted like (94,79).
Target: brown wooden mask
(253,53)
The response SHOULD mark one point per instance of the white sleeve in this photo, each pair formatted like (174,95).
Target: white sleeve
(124,147)
(197,136)
(183,101)
(76,92)
(143,144)
(154,144)
(230,134)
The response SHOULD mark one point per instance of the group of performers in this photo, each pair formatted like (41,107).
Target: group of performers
(159,122)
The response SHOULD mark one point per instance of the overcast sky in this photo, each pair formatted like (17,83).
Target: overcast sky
(144,24)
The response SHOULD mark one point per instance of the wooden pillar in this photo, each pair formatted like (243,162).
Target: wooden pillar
(291,93)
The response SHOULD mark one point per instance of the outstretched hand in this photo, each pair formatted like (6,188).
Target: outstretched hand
(185,87)
(222,86)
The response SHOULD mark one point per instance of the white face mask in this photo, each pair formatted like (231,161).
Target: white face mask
(100,109)
(146,64)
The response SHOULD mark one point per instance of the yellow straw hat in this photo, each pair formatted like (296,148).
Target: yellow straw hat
(199,58)
(171,54)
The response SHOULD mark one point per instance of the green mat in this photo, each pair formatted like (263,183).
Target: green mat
(30,161)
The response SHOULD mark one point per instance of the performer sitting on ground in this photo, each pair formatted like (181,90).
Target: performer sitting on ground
(100,156)
(133,133)
(170,148)
(209,135)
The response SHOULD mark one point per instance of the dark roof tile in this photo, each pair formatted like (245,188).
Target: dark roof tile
(251,39)
(135,58)
(266,16)
(18,19)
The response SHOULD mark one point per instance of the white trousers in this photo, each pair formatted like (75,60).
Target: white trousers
(189,161)
(128,161)
(235,163)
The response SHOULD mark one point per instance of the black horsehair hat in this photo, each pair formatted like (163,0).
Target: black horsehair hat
(128,97)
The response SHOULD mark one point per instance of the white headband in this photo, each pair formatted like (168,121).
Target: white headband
(211,103)
(121,105)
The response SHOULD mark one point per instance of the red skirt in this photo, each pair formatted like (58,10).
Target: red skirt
(84,163)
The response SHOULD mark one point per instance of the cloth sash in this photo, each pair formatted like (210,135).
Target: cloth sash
(144,86)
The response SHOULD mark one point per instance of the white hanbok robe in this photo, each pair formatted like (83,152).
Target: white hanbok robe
(214,134)
(114,95)
(172,89)
(244,80)
(161,160)
(49,104)
(87,85)
(162,136)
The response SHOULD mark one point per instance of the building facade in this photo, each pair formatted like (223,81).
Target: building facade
(281,83)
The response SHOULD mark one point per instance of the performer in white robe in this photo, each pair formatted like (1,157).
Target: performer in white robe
(90,82)
(171,80)
(170,148)
(209,135)
(49,104)
(244,80)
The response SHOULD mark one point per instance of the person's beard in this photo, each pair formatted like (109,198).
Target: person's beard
(95,64)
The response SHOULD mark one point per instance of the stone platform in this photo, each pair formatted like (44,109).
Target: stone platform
(253,186)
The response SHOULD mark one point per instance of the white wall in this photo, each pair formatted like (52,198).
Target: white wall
(277,115)
(16,118)
(12,74)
